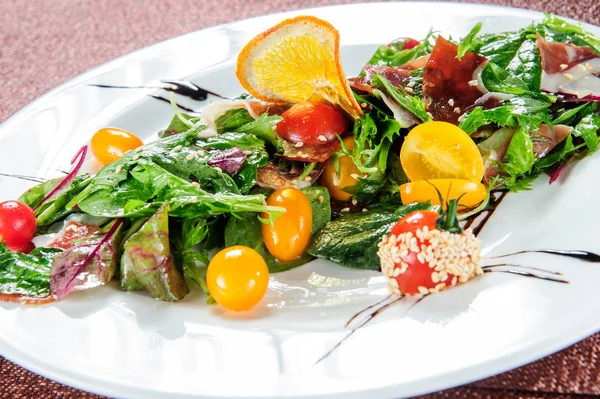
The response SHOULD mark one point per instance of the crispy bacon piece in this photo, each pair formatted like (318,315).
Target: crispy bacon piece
(558,57)
(447,82)
(309,152)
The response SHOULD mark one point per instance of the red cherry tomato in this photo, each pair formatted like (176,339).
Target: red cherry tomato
(417,274)
(410,43)
(17,225)
(312,123)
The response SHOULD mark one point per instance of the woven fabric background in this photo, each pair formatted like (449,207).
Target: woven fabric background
(44,43)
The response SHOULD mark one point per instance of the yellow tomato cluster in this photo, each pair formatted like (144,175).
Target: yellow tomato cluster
(440,158)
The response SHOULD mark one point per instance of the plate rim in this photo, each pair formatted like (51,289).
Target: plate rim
(448,380)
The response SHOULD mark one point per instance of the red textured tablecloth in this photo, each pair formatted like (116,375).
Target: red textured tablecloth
(44,43)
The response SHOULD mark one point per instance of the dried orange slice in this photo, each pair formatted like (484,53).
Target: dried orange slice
(295,61)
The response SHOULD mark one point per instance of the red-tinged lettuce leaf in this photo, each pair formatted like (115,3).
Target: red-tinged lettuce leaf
(71,232)
(308,152)
(147,262)
(89,263)
(558,57)
(230,160)
(446,89)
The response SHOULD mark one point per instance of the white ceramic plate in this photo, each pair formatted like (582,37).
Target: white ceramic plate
(129,345)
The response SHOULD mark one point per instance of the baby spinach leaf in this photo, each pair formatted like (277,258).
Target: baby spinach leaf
(263,129)
(233,119)
(147,263)
(26,274)
(572,116)
(527,65)
(588,129)
(352,239)
(519,157)
(501,48)
(499,80)
(572,32)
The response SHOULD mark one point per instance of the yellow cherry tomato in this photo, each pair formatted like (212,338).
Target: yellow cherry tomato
(111,143)
(347,177)
(289,235)
(440,150)
(237,277)
(421,191)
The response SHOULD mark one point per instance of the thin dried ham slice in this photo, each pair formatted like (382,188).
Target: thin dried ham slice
(394,75)
(557,57)
(545,139)
(570,70)
(270,176)
(309,152)
(450,85)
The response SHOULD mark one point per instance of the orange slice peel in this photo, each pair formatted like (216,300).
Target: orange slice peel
(297,60)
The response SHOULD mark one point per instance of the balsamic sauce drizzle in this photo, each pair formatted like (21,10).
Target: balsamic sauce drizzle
(168,101)
(577,254)
(181,87)
(367,308)
(480,219)
(526,274)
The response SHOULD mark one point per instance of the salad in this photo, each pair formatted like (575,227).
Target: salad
(380,171)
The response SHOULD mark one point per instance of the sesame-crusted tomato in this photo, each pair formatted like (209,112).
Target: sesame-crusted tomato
(419,258)
(312,123)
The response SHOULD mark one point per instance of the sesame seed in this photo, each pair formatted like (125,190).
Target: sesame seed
(320,199)
(364,209)
(345,210)
(568,76)
(408,89)
(451,102)
(435,277)
(363,105)
(193,200)
(274,128)
(457,110)
(71,227)
(410,84)
(473,82)
(298,144)
(178,148)
(354,201)
(423,290)
(218,169)
(430,114)
(588,66)
(118,169)
(462,117)
(201,153)
(581,67)
(440,286)
(586,120)
(322,138)
(190,156)
(355,176)
(308,178)
(563,66)
(247,152)
(196,184)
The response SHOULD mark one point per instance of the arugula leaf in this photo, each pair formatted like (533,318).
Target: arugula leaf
(411,103)
(26,274)
(394,55)
(572,116)
(232,120)
(468,43)
(588,129)
(147,262)
(527,65)
(519,157)
(247,230)
(500,80)
(351,240)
